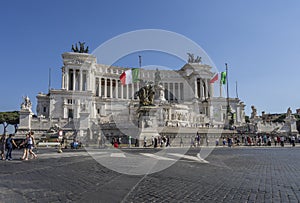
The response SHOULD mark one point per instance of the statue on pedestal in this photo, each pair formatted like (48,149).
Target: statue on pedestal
(146,95)
(157,78)
(289,113)
(254,112)
(26,104)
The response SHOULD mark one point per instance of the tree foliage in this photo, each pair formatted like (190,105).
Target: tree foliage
(9,118)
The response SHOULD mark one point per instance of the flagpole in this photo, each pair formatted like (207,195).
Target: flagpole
(227,87)
(236,89)
(221,85)
(49,82)
(140,61)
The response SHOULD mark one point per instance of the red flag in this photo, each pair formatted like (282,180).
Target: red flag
(215,78)
(123,78)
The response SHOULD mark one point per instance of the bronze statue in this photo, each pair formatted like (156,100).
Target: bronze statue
(81,48)
(146,95)
(192,59)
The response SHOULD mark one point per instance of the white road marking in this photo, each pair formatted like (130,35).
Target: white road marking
(157,157)
(198,158)
(119,155)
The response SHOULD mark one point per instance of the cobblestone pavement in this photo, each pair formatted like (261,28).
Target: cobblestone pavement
(242,174)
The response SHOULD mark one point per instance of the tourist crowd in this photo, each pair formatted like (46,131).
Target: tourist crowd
(8,143)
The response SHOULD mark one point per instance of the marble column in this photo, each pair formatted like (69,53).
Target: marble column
(127,91)
(111,89)
(206,88)
(169,92)
(117,88)
(132,90)
(196,88)
(100,86)
(201,89)
(105,87)
(211,89)
(122,91)
(63,75)
(67,79)
(74,79)
(80,81)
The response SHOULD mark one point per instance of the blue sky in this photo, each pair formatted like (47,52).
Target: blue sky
(258,39)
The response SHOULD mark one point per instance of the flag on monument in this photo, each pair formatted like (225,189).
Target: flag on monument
(129,76)
(223,78)
(214,78)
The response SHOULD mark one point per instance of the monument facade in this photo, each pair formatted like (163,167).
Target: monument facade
(92,99)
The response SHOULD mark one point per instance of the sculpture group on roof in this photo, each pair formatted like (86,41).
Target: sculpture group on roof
(192,59)
(81,48)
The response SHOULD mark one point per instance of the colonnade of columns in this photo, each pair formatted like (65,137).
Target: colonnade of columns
(203,88)
(112,88)
(75,79)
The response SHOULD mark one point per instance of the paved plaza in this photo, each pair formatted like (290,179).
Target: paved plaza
(240,174)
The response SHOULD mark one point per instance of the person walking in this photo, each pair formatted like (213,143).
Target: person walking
(24,145)
(181,142)
(30,146)
(145,141)
(282,141)
(168,142)
(9,146)
(293,140)
(2,146)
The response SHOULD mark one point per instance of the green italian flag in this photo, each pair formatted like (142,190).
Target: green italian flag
(223,78)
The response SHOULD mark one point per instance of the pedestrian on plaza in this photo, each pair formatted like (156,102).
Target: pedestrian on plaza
(145,141)
(282,141)
(249,141)
(30,145)
(192,142)
(269,141)
(217,142)
(198,139)
(155,142)
(159,140)
(278,139)
(24,145)
(9,146)
(224,142)
(2,146)
(168,142)
(116,144)
(293,139)
(164,139)
(229,141)
(265,140)
(152,141)
(275,141)
(99,141)
(129,141)
(181,142)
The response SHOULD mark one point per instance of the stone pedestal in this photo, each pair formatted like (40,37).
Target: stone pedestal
(25,121)
(147,124)
(83,123)
(290,124)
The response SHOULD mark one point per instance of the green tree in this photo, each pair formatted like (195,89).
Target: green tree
(9,118)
